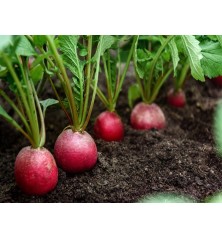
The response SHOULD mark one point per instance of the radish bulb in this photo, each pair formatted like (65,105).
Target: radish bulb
(109,127)
(75,152)
(147,116)
(176,99)
(36,172)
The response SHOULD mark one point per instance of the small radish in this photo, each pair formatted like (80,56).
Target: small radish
(36,172)
(109,127)
(147,116)
(217,81)
(75,151)
(176,99)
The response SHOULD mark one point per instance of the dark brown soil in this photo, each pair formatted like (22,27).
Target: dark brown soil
(180,159)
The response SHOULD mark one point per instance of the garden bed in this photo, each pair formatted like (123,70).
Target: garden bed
(180,159)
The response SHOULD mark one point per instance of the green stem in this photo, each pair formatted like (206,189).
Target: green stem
(102,97)
(42,131)
(31,101)
(68,87)
(119,86)
(16,109)
(158,85)
(183,74)
(23,97)
(88,82)
(108,85)
(153,64)
(94,91)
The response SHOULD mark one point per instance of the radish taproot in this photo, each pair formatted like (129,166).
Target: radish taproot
(147,116)
(36,172)
(109,127)
(176,99)
(75,152)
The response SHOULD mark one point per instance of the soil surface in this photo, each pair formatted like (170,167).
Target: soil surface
(179,159)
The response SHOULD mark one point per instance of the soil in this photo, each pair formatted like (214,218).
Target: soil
(180,159)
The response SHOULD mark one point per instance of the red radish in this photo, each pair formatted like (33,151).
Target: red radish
(147,116)
(75,152)
(109,127)
(176,99)
(36,172)
(217,81)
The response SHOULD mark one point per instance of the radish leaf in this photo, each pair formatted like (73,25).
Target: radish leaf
(69,48)
(212,59)
(133,94)
(46,103)
(193,51)
(174,54)
(24,47)
(5,41)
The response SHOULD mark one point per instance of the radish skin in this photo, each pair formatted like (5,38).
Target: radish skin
(176,99)
(147,116)
(36,172)
(109,127)
(217,81)
(75,152)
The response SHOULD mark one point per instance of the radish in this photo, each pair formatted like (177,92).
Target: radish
(176,99)
(75,152)
(36,172)
(147,116)
(109,127)
(35,169)
(217,81)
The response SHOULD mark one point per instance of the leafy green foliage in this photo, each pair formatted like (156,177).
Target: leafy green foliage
(192,50)
(37,73)
(174,54)
(215,198)
(218,128)
(212,58)
(105,43)
(166,198)
(5,41)
(133,94)
(24,47)
(46,103)
(69,47)
(39,40)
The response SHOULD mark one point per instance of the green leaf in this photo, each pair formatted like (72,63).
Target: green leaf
(46,103)
(3,71)
(36,73)
(219,38)
(218,128)
(5,40)
(68,46)
(193,51)
(215,198)
(24,47)
(212,59)
(69,49)
(39,40)
(166,198)
(133,94)
(106,42)
(174,54)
